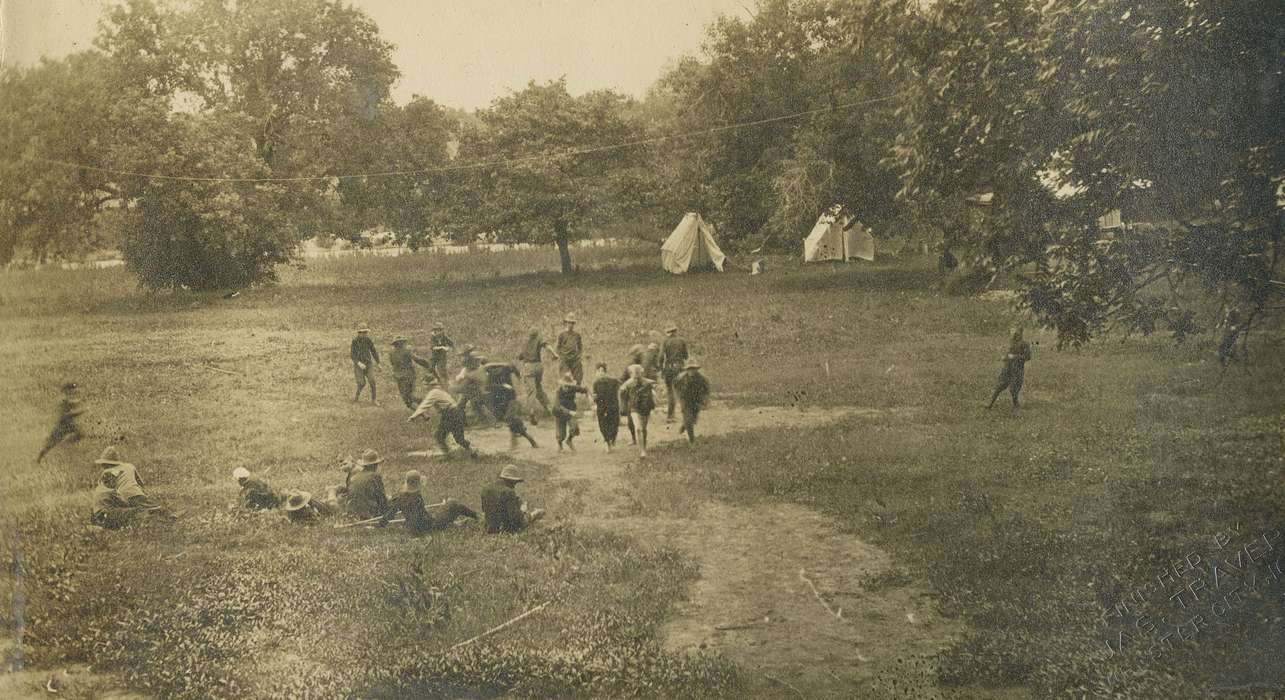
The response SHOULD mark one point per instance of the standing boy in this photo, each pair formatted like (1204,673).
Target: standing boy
(570,350)
(441,344)
(364,359)
(1013,374)
(532,359)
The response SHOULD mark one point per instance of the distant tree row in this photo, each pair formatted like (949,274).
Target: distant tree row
(278,113)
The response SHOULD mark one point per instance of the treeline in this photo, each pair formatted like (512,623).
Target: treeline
(275,117)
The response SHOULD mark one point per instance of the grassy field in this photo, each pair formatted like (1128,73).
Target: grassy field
(1125,457)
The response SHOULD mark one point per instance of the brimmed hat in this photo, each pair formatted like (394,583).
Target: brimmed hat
(69,386)
(692,364)
(109,456)
(511,473)
(240,473)
(437,326)
(363,328)
(671,328)
(298,501)
(569,318)
(399,339)
(413,480)
(368,458)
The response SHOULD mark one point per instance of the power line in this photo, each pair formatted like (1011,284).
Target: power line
(471,166)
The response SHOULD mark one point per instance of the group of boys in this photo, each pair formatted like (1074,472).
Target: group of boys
(363,498)
(488,389)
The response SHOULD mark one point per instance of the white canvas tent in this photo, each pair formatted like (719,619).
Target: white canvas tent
(691,245)
(838,238)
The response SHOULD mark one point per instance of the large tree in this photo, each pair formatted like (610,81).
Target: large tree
(188,101)
(1170,112)
(527,172)
(838,61)
(50,210)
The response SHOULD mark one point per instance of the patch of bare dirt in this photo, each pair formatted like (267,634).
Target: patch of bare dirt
(783,591)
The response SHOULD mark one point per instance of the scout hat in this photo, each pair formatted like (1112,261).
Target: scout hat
(298,501)
(671,329)
(569,318)
(511,473)
(399,339)
(692,364)
(109,456)
(240,473)
(412,481)
(363,327)
(69,386)
(437,326)
(369,458)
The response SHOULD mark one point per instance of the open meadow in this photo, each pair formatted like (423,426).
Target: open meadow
(1016,531)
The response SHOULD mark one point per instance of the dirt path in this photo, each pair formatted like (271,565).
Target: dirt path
(783,592)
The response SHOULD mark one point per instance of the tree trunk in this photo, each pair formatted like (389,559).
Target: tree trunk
(564,246)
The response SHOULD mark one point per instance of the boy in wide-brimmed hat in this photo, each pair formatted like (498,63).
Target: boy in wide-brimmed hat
(570,349)
(364,359)
(419,518)
(566,427)
(403,360)
(366,495)
(300,507)
(119,497)
(504,510)
(65,427)
(693,393)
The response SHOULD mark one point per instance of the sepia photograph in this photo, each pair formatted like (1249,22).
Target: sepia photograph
(745,349)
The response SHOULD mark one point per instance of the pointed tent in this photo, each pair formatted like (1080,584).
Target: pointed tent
(838,238)
(691,246)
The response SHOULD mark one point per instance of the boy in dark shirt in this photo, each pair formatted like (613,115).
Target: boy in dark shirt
(1013,374)
(503,400)
(673,355)
(364,359)
(366,495)
(570,350)
(419,520)
(606,399)
(255,493)
(504,510)
(65,428)
(693,391)
(564,411)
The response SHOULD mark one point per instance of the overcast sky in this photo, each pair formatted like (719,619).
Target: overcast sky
(461,53)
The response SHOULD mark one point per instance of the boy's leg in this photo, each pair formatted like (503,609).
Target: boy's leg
(359,375)
(999,389)
(1015,388)
(669,395)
